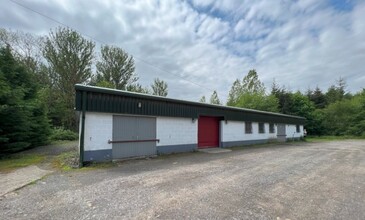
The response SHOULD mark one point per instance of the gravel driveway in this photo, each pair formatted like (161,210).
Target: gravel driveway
(289,181)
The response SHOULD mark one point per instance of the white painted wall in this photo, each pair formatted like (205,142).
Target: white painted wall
(175,131)
(235,131)
(98,130)
(291,131)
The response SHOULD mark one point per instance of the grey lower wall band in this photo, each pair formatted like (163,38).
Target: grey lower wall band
(98,155)
(176,148)
(106,155)
(239,143)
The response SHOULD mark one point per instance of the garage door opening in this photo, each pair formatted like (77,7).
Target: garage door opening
(133,136)
(208,132)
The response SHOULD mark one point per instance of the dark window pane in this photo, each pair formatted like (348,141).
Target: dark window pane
(261,128)
(248,127)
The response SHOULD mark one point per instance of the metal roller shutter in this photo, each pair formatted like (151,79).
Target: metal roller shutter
(133,136)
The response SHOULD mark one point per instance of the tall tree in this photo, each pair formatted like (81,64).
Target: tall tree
(336,92)
(115,67)
(23,118)
(70,57)
(250,93)
(284,98)
(235,93)
(252,84)
(318,98)
(214,99)
(27,49)
(159,88)
(202,99)
(275,88)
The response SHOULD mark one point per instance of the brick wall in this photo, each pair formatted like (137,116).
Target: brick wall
(176,131)
(291,131)
(235,131)
(98,130)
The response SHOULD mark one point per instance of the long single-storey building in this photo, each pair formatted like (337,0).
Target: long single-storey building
(117,124)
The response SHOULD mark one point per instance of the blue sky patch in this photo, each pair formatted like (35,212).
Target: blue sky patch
(342,5)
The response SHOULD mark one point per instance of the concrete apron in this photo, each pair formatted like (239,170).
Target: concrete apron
(20,178)
(214,150)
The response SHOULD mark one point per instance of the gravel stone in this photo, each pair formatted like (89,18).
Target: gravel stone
(281,181)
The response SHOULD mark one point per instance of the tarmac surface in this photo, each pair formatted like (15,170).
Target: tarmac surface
(280,181)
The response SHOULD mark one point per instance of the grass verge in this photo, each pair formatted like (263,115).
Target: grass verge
(68,161)
(13,162)
(330,138)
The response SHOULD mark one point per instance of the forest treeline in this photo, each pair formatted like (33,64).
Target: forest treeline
(332,112)
(38,74)
(37,78)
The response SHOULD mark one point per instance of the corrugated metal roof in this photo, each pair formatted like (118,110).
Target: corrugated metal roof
(117,101)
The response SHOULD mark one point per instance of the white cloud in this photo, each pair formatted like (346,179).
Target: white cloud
(211,43)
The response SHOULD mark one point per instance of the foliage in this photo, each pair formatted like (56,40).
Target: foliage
(283,97)
(333,113)
(27,48)
(317,97)
(69,56)
(258,102)
(138,88)
(336,92)
(252,84)
(116,68)
(300,105)
(66,161)
(159,88)
(234,93)
(23,118)
(202,99)
(357,126)
(316,124)
(250,93)
(330,138)
(214,99)
(59,134)
(346,117)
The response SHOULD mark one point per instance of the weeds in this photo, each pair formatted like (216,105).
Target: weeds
(12,162)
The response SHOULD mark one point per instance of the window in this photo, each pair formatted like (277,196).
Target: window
(298,128)
(248,127)
(261,128)
(271,128)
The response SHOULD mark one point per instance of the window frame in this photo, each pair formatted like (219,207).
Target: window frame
(261,128)
(298,128)
(248,127)
(271,128)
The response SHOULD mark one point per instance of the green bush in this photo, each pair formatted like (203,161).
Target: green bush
(59,134)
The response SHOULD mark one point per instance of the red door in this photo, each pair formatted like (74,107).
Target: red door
(208,132)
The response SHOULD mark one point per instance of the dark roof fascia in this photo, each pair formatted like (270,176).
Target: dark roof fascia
(164,99)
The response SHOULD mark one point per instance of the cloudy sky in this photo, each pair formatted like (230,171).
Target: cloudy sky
(198,46)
